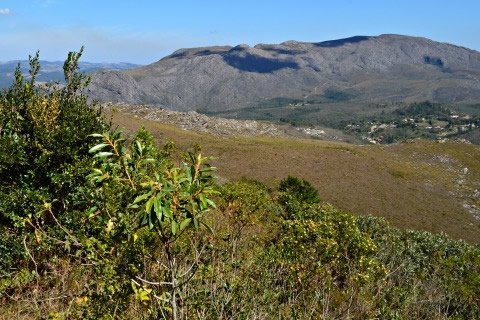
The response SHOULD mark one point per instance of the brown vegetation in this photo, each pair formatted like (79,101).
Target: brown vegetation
(407,183)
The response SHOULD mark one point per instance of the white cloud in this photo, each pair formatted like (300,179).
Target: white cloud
(5,12)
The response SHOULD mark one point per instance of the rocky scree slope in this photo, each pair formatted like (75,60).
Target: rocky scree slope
(220,127)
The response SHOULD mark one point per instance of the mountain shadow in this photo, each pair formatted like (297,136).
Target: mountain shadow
(253,63)
(341,42)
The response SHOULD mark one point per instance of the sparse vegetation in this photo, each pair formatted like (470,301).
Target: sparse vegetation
(96,224)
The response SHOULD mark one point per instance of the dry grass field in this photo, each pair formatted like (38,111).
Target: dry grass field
(421,185)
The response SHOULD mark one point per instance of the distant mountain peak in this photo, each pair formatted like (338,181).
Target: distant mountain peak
(52,71)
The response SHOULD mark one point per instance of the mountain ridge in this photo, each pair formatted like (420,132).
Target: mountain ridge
(52,71)
(364,69)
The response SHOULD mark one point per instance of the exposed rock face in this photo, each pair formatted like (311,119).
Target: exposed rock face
(386,68)
(194,121)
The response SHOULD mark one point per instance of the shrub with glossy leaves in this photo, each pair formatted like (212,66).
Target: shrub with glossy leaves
(141,198)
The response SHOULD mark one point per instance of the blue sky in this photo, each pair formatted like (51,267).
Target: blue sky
(144,31)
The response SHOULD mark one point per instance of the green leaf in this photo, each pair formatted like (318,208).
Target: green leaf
(211,203)
(139,147)
(98,171)
(143,296)
(157,205)
(103,154)
(185,223)
(159,215)
(97,147)
(149,204)
(134,287)
(150,223)
(203,200)
(142,197)
(168,212)
(96,135)
(174,227)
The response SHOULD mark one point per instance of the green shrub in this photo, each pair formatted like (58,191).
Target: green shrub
(429,275)
(44,158)
(300,190)
(318,261)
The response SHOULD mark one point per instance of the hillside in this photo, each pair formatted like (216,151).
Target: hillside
(298,78)
(420,184)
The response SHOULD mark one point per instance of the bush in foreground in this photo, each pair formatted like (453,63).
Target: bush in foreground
(98,225)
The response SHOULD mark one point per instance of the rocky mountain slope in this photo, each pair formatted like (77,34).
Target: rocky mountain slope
(361,69)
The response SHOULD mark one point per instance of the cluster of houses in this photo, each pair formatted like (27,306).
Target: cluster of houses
(376,132)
